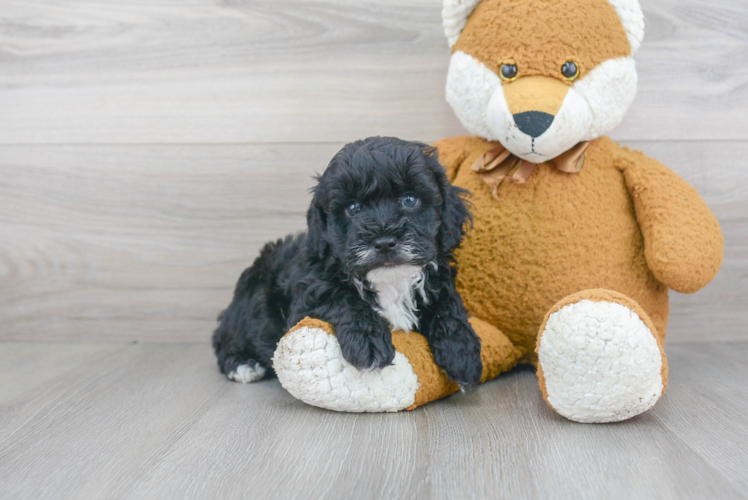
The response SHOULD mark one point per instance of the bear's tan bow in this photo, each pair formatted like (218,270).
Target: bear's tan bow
(499,164)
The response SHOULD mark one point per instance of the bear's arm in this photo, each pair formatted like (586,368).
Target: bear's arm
(683,242)
(452,153)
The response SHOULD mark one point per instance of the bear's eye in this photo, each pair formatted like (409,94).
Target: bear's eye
(508,72)
(352,209)
(409,201)
(570,70)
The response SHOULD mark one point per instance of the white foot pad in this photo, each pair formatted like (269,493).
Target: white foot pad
(600,361)
(247,374)
(311,367)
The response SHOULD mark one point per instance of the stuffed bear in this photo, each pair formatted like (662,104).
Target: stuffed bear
(576,240)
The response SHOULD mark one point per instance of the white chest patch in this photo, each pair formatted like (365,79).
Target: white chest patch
(396,288)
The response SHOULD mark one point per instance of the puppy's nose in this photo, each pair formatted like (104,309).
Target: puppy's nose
(533,123)
(385,243)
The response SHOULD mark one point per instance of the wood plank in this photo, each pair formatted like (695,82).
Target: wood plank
(32,373)
(158,421)
(706,406)
(104,419)
(510,444)
(313,70)
(146,242)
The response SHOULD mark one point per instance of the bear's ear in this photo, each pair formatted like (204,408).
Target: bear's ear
(632,19)
(455,14)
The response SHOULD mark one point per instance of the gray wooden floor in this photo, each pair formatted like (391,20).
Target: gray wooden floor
(155,420)
(148,149)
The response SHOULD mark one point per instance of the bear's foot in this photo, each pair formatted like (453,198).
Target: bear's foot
(599,358)
(310,366)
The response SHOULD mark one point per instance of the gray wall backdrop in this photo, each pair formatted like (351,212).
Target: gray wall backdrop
(148,149)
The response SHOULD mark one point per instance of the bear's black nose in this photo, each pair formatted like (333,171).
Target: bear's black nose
(385,243)
(533,123)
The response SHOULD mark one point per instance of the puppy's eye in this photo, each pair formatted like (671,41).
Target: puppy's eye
(508,72)
(410,201)
(352,209)
(570,70)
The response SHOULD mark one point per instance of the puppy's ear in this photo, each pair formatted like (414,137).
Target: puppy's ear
(454,211)
(316,220)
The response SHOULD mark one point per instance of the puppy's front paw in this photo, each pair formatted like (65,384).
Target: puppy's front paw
(366,348)
(460,359)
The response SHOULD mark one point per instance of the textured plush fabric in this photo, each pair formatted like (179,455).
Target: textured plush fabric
(433,384)
(535,93)
(602,295)
(455,14)
(539,36)
(497,353)
(559,234)
(683,241)
(600,359)
(312,369)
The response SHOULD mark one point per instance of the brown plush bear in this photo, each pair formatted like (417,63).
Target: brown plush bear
(576,240)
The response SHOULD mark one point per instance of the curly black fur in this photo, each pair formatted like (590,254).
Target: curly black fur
(323,273)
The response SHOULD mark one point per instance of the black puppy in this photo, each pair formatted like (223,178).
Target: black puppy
(377,256)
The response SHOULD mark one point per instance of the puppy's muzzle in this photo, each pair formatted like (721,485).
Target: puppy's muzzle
(385,244)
